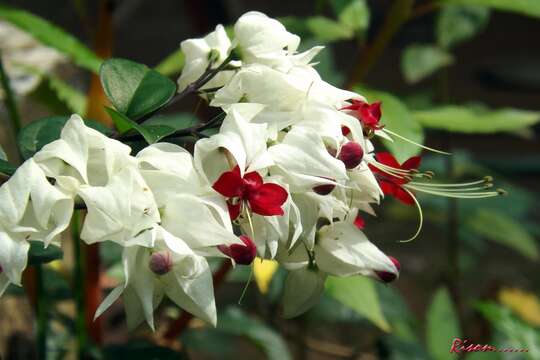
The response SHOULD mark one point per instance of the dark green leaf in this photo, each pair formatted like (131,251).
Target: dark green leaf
(236,322)
(468,119)
(134,89)
(397,118)
(172,64)
(358,293)
(524,7)
(51,35)
(420,61)
(3,155)
(39,255)
(137,350)
(43,131)
(499,227)
(7,168)
(457,23)
(442,325)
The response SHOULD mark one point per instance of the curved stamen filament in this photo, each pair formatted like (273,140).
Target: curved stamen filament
(465,194)
(484,181)
(420,220)
(415,143)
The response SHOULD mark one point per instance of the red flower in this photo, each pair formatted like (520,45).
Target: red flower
(359,222)
(263,199)
(393,185)
(241,254)
(368,114)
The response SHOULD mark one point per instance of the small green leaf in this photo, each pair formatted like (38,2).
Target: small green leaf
(358,293)
(355,15)
(7,168)
(397,118)
(134,89)
(51,35)
(499,227)
(457,23)
(524,7)
(420,61)
(234,321)
(172,64)
(40,255)
(303,289)
(327,30)
(468,119)
(442,326)
(43,131)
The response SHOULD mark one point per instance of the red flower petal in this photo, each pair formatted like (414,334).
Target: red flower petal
(268,199)
(412,163)
(229,184)
(387,159)
(242,254)
(253,179)
(403,196)
(359,222)
(388,187)
(234,210)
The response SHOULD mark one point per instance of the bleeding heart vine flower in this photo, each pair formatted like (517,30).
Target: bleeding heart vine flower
(368,114)
(250,190)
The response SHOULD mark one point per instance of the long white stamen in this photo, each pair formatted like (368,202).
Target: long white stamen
(420,214)
(485,181)
(415,143)
(458,195)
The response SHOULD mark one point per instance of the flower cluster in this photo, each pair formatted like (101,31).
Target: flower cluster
(285,178)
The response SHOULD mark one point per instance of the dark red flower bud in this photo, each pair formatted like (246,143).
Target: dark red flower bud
(241,254)
(324,189)
(386,276)
(1,269)
(160,262)
(351,154)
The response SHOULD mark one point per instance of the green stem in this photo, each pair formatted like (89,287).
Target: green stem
(398,14)
(78,276)
(9,98)
(41,311)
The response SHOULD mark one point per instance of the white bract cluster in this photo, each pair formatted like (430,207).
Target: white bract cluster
(290,169)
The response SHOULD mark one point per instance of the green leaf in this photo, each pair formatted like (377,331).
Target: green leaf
(43,131)
(327,30)
(524,7)
(139,350)
(517,334)
(303,289)
(499,227)
(172,64)
(7,168)
(3,155)
(40,255)
(234,321)
(51,35)
(358,293)
(397,118)
(457,23)
(420,61)
(355,15)
(468,119)
(442,325)
(134,89)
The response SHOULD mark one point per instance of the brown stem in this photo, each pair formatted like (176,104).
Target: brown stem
(179,325)
(397,15)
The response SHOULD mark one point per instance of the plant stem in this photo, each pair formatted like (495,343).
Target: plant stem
(78,278)
(9,98)
(41,310)
(179,325)
(398,14)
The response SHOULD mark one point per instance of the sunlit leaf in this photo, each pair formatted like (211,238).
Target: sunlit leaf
(421,61)
(524,7)
(525,304)
(457,23)
(499,227)
(325,29)
(133,88)
(264,271)
(355,15)
(358,293)
(397,118)
(172,64)
(53,36)
(467,119)
(442,325)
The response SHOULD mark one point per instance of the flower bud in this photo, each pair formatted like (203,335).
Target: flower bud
(324,189)
(1,269)
(241,254)
(386,276)
(160,262)
(351,154)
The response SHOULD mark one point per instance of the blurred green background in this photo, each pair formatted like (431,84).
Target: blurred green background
(458,75)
